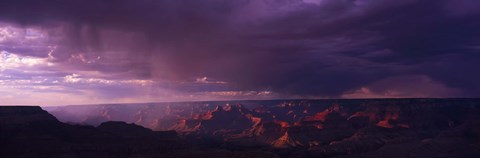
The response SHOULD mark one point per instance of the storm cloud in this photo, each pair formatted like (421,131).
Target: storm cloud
(292,48)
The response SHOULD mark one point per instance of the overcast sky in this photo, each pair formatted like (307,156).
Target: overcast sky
(57,52)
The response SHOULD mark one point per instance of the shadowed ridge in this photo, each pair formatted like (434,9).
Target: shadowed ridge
(134,131)
(17,115)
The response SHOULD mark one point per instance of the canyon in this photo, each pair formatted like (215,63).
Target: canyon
(270,128)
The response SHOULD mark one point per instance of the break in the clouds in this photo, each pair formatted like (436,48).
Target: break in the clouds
(88,51)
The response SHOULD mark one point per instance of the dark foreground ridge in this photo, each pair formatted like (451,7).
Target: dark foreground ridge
(396,128)
(30,132)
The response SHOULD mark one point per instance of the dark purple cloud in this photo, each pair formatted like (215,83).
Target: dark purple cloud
(311,48)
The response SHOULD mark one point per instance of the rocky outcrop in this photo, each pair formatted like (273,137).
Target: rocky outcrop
(285,141)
